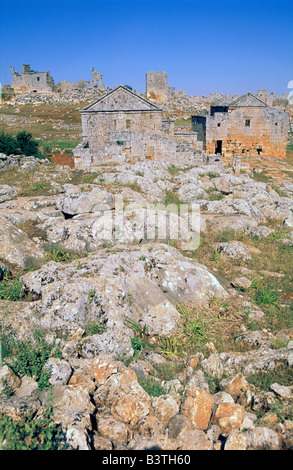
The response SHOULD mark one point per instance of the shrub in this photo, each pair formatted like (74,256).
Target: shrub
(8,144)
(22,144)
(31,434)
(29,358)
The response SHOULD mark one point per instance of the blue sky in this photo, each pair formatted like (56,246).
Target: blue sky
(205,46)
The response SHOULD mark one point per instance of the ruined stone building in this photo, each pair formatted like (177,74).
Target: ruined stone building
(244,127)
(30,80)
(157,86)
(124,126)
(97,79)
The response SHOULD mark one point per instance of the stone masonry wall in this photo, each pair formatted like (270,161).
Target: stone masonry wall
(98,128)
(266,134)
(30,81)
(157,85)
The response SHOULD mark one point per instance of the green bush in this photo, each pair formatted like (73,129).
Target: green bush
(22,144)
(29,357)
(31,434)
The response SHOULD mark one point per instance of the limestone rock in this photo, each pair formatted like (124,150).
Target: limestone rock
(8,380)
(17,248)
(71,406)
(235,385)
(282,391)
(236,250)
(236,441)
(163,275)
(228,416)
(247,363)
(77,202)
(77,438)
(177,424)
(113,430)
(222,397)
(241,283)
(7,192)
(193,440)
(262,438)
(122,394)
(18,408)
(165,408)
(59,370)
(197,405)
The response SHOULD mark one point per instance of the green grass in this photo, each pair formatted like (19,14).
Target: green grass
(133,186)
(215,195)
(261,177)
(61,255)
(31,228)
(62,144)
(173,170)
(31,434)
(281,374)
(172,199)
(29,357)
(41,123)
(89,178)
(37,188)
(94,328)
(140,340)
(265,295)
(152,386)
(168,370)
(11,289)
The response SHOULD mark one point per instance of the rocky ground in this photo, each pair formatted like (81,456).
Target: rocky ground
(135,336)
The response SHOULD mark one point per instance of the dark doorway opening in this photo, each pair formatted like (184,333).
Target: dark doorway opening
(218,148)
(259,151)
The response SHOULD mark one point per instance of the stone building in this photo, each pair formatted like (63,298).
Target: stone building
(97,79)
(124,126)
(244,127)
(30,80)
(157,86)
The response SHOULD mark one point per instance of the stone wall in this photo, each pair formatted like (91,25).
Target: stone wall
(123,126)
(157,85)
(244,131)
(98,128)
(30,80)
(248,132)
(97,79)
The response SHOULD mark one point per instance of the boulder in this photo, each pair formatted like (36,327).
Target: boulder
(107,289)
(9,381)
(17,248)
(228,416)
(236,250)
(198,405)
(7,192)
(74,201)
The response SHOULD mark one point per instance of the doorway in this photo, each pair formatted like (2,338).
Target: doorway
(218,147)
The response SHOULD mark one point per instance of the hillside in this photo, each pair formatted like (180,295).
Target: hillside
(134,341)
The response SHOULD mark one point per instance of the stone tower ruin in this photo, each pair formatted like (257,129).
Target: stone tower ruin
(30,80)
(157,86)
(97,79)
